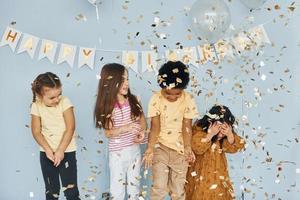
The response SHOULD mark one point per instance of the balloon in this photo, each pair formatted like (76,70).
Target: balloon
(210,19)
(94,2)
(253,4)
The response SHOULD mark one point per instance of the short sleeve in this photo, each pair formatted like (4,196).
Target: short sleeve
(191,111)
(35,110)
(153,106)
(66,103)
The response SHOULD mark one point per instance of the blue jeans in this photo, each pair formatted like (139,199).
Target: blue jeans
(67,171)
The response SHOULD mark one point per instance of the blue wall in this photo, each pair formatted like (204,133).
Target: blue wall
(272,127)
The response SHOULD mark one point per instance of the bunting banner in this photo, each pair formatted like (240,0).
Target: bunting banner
(249,40)
(259,35)
(207,53)
(28,44)
(130,59)
(11,37)
(86,57)
(188,55)
(224,49)
(149,61)
(67,54)
(48,50)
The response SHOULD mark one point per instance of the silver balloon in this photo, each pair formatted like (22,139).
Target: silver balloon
(210,19)
(253,4)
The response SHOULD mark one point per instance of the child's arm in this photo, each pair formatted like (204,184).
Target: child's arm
(143,122)
(39,138)
(140,137)
(201,141)
(237,144)
(114,132)
(154,132)
(187,137)
(67,136)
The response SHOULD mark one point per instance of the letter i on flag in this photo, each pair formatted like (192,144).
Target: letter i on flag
(149,61)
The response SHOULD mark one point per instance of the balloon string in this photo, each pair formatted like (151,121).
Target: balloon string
(97,12)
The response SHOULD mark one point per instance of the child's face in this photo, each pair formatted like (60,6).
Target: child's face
(51,96)
(125,84)
(172,94)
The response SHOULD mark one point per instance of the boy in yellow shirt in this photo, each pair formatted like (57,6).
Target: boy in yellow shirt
(169,148)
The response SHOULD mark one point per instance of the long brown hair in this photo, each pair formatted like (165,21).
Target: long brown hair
(47,79)
(108,88)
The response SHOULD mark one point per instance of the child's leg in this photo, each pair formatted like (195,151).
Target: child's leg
(177,179)
(68,175)
(117,174)
(51,177)
(160,173)
(133,172)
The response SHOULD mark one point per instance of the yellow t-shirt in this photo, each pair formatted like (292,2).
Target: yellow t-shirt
(53,123)
(171,116)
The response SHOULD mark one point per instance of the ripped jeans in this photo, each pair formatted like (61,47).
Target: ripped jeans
(67,171)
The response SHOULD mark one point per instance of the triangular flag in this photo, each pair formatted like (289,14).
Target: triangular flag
(48,50)
(67,53)
(11,37)
(86,57)
(149,61)
(28,44)
(130,59)
(207,53)
(188,55)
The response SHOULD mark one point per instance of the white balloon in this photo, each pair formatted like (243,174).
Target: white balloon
(94,2)
(210,19)
(253,4)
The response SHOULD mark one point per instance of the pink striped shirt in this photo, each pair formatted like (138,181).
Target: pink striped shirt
(122,116)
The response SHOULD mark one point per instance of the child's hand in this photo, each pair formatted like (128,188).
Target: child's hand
(50,155)
(214,129)
(148,157)
(58,157)
(226,129)
(139,137)
(189,154)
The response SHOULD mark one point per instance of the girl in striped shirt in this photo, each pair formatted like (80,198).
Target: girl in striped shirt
(120,114)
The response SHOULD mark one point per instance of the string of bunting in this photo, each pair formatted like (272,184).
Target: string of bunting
(196,55)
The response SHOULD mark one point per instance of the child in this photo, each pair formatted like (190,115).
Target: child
(171,111)
(213,136)
(120,114)
(53,125)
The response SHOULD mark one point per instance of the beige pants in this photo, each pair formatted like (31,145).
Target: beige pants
(169,174)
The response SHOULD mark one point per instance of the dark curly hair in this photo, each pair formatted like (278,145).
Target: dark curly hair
(173,75)
(216,113)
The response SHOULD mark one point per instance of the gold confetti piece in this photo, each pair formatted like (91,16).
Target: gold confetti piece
(175,70)
(277,7)
(214,186)
(178,80)
(194,173)
(80,17)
